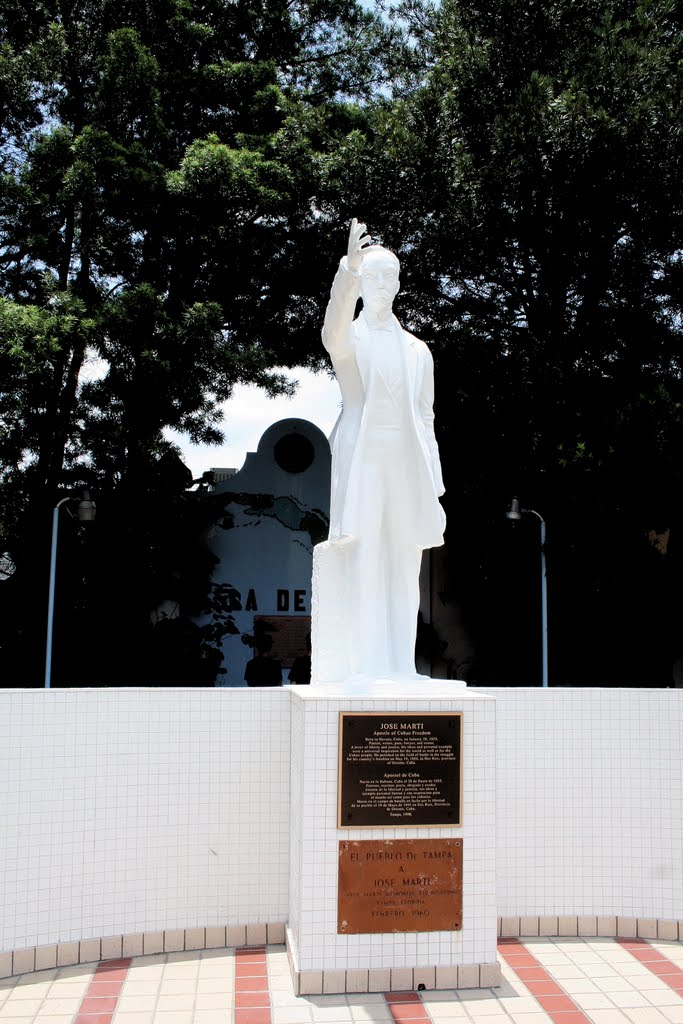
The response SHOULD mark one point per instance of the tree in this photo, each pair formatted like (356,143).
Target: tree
(156,215)
(176,181)
(531,183)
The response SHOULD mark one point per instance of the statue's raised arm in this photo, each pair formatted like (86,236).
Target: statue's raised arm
(358,242)
(344,294)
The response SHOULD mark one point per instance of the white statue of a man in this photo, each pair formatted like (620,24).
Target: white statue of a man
(386,475)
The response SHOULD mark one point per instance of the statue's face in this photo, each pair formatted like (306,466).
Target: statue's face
(379,282)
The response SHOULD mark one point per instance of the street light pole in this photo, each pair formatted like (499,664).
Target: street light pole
(515,513)
(544,599)
(86,513)
(51,594)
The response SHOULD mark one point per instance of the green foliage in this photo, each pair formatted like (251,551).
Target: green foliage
(157,184)
(532,184)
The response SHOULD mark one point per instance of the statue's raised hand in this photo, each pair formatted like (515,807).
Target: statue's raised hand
(358,241)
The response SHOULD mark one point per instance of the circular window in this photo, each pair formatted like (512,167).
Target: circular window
(294,453)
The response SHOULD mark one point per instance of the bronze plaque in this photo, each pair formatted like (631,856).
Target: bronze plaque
(398,769)
(399,885)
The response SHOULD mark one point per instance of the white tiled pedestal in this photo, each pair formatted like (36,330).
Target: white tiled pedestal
(323,961)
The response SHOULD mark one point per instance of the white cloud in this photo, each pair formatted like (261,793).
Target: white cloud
(250,412)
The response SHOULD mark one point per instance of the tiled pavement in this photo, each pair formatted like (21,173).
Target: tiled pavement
(545,981)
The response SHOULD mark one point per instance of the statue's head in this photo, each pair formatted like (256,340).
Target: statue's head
(379,279)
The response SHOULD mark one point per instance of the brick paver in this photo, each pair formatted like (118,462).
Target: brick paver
(545,981)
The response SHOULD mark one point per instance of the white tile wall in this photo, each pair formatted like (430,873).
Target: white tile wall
(313,922)
(590,802)
(129,811)
(296,812)
(140,811)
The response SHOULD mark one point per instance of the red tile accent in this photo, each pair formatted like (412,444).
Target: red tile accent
(655,962)
(250,970)
(112,965)
(99,1002)
(569,1017)
(513,947)
(104,988)
(408,1011)
(662,967)
(548,994)
(112,973)
(644,954)
(252,1001)
(247,1000)
(261,1016)
(520,960)
(106,966)
(258,983)
(526,974)
(554,1004)
(543,988)
(405,1006)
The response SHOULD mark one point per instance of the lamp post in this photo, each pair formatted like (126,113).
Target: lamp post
(86,514)
(515,514)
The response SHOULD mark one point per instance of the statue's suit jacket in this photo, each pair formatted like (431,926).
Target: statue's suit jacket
(349,344)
